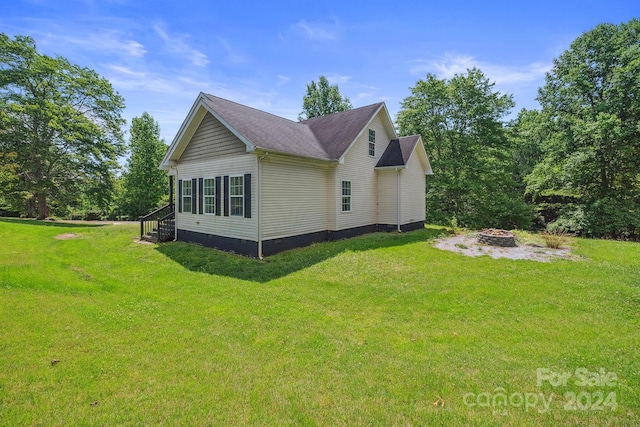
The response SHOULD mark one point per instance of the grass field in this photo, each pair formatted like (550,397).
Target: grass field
(382,329)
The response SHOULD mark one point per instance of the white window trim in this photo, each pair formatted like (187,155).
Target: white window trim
(372,143)
(186,206)
(240,196)
(342,196)
(204,196)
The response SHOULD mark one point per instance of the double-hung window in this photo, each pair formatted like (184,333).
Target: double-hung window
(346,196)
(187,193)
(209,194)
(372,142)
(236,195)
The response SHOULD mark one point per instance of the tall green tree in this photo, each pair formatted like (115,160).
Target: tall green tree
(461,123)
(528,134)
(63,122)
(143,185)
(592,100)
(322,99)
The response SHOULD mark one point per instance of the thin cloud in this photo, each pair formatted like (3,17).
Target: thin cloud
(125,78)
(363,95)
(337,78)
(317,30)
(177,44)
(452,64)
(105,41)
(232,55)
(283,80)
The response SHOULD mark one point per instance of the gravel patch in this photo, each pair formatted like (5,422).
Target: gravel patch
(467,244)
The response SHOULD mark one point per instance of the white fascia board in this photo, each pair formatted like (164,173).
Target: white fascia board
(241,137)
(427,169)
(383,168)
(181,132)
(260,151)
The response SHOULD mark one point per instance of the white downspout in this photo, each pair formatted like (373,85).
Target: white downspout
(399,199)
(259,185)
(175,204)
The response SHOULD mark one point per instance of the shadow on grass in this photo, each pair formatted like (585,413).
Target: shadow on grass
(29,221)
(211,261)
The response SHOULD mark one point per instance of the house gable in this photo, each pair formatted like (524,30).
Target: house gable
(211,140)
(188,129)
(400,151)
(382,114)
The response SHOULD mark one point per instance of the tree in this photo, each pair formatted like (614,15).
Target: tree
(592,100)
(322,99)
(63,122)
(527,133)
(143,184)
(460,121)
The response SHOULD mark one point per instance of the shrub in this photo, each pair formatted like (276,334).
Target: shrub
(555,238)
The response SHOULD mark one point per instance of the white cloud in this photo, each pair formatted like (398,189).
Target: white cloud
(363,95)
(177,44)
(232,55)
(105,41)
(317,30)
(283,80)
(451,64)
(337,78)
(124,78)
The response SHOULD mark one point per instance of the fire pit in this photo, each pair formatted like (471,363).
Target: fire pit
(495,237)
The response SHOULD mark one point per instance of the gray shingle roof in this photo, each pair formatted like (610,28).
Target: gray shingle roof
(398,151)
(325,137)
(338,130)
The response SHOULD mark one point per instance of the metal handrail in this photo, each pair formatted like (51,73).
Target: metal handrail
(152,220)
(164,230)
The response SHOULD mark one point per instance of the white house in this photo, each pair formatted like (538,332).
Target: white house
(254,183)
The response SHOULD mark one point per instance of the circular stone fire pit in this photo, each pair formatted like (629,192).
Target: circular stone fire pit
(494,237)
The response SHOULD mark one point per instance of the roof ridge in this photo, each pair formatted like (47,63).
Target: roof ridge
(296,124)
(342,112)
(208,95)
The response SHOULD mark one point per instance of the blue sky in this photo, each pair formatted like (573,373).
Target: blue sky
(160,54)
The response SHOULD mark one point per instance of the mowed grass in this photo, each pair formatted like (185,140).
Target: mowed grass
(382,329)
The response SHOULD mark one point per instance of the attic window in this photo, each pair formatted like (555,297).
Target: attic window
(372,142)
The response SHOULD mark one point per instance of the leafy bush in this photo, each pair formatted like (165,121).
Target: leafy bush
(614,219)
(92,216)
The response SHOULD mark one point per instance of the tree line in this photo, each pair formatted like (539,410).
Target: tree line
(573,165)
(61,137)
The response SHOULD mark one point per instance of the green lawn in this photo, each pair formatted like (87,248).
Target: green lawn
(382,329)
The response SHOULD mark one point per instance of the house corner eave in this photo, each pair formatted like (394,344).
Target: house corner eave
(427,169)
(167,165)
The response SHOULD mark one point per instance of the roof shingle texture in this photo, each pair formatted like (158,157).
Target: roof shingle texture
(398,151)
(326,137)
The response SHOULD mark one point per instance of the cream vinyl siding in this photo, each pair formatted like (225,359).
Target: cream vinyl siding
(387,197)
(413,191)
(228,226)
(294,197)
(359,168)
(332,199)
(212,140)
